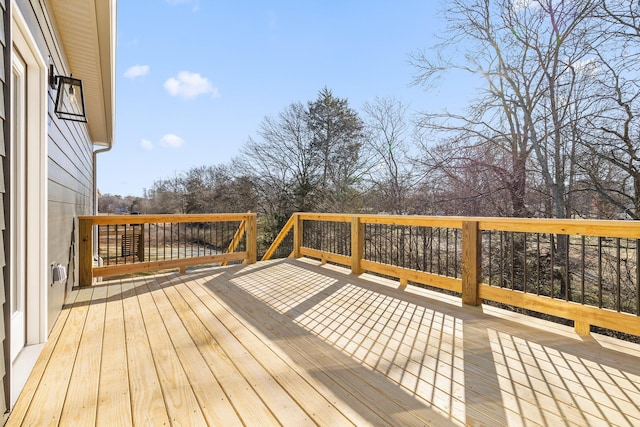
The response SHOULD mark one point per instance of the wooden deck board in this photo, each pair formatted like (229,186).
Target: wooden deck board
(374,391)
(31,386)
(147,401)
(215,406)
(81,401)
(375,398)
(291,342)
(47,403)
(182,405)
(219,341)
(114,399)
(319,404)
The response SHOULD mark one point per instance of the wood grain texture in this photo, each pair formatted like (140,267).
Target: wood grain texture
(85,251)
(81,402)
(165,218)
(215,406)
(430,279)
(47,403)
(295,342)
(122,269)
(215,340)
(326,256)
(471,262)
(357,245)
(587,315)
(21,407)
(147,401)
(182,405)
(114,399)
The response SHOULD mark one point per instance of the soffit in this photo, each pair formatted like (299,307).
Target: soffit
(87,32)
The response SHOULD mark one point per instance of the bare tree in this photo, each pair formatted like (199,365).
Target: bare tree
(467,179)
(203,189)
(169,196)
(625,15)
(525,52)
(529,55)
(614,144)
(283,163)
(387,133)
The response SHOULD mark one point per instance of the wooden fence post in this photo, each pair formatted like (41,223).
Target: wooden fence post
(471,262)
(297,235)
(357,244)
(85,251)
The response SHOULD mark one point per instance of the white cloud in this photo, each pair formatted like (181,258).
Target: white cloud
(524,4)
(136,71)
(190,85)
(588,67)
(172,141)
(146,145)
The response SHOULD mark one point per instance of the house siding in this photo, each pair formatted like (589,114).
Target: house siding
(69,165)
(70,194)
(4,136)
(69,174)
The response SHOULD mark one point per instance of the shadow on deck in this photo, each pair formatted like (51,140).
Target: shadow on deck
(293,342)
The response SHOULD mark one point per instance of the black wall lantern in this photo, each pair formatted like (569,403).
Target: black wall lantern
(69,97)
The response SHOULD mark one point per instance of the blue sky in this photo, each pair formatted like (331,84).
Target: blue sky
(196,77)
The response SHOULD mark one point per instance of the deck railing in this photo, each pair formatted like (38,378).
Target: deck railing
(123,244)
(581,270)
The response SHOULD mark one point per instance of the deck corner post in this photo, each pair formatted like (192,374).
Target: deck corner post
(357,244)
(85,251)
(252,239)
(471,262)
(297,235)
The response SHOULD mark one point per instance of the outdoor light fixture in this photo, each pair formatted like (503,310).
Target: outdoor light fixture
(69,97)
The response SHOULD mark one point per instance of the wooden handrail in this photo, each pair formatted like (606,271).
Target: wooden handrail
(163,218)
(470,284)
(603,228)
(88,271)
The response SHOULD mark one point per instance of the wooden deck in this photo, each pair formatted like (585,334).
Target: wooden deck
(292,342)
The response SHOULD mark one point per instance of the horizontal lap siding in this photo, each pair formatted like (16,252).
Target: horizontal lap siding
(70,194)
(4,136)
(69,163)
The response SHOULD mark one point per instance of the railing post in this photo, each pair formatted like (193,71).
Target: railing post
(251,237)
(297,235)
(85,251)
(471,262)
(357,244)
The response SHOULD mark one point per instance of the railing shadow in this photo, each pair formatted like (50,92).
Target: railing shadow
(456,365)
(139,281)
(134,285)
(283,304)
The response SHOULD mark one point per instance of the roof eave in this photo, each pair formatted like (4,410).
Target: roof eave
(87,32)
